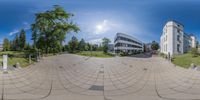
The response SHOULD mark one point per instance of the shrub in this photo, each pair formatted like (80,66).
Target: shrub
(194,52)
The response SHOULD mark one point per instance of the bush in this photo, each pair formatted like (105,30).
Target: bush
(194,52)
(123,53)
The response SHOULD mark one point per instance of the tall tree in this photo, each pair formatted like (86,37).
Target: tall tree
(81,45)
(22,40)
(73,44)
(6,44)
(16,43)
(105,42)
(154,45)
(51,27)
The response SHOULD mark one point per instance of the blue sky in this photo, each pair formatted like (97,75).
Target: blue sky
(104,18)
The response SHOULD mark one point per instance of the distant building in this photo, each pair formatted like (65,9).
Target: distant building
(1,47)
(126,43)
(111,47)
(174,41)
(148,47)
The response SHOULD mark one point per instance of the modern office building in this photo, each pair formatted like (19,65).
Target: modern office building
(126,43)
(174,40)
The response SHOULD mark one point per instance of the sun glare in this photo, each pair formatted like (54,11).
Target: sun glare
(99,27)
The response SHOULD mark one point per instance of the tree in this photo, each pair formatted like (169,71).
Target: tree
(154,45)
(82,45)
(15,44)
(105,43)
(6,44)
(50,29)
(73,44)
(22,40)
(94,47)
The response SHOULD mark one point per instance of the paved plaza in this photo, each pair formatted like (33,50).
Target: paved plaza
(72,77)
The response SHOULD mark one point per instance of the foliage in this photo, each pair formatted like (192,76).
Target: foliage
(6,44)
(154,45)
(81,45)
(22,40)
(95,54)
(73,44)
(194,52)
(105,43)
(50,29)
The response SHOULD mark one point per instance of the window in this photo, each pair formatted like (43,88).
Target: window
(178,47)
(178,38)
(179,31)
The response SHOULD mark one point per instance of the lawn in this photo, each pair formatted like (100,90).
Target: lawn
(13,60)
(185,60)
(12,52)
(95,54)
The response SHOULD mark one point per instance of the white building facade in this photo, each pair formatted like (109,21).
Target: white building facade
(126,43)
(174,41)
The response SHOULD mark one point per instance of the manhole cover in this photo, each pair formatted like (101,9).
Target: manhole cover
(60,66)
(5,72)
(96,88)
(145,69)
(101,72)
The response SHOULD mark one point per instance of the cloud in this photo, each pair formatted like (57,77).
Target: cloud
(95,41)
(14,32)
(26,26)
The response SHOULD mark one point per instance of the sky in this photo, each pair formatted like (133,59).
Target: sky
(142,19)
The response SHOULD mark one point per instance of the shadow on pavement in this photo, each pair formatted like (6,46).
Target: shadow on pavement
(142,55)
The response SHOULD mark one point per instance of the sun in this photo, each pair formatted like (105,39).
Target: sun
(99,27)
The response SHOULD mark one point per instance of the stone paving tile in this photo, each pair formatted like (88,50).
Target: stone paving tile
(72,77)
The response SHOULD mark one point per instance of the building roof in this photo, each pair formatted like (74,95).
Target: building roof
(175,22)
(131,37)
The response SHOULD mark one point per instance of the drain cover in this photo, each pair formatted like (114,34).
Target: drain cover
(97,88)
(5,72)
(60,66)
(145,69)
(101,72)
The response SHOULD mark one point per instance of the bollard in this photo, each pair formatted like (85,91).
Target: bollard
(192,66)
(17,65)
(29,58)
(5,62)
(37,58)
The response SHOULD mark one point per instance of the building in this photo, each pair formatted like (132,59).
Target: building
(1,47)
(126,43)
(174,40)
(148,47)
(110,47)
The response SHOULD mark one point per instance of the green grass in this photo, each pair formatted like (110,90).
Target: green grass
(11,52)
(13,60)
(185,60)
(22,61)
(94,54)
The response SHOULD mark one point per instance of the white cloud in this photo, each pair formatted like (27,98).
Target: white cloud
(26,27)
(14,32)
(95,41)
